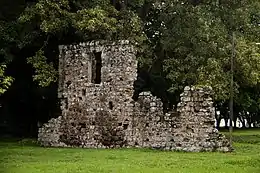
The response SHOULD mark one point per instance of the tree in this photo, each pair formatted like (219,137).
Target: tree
(69,22)
(8,39)
(193,41)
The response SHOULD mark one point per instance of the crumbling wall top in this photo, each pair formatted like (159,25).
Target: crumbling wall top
(96,43)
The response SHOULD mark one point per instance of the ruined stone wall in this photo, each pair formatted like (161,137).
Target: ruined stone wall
(97,114)
(49,134)
(96,88)
(189,128)
(195,122)
(150,125)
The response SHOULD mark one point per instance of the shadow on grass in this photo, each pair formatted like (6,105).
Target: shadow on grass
(244,136)
(19,142)
(238,130)
(247,139)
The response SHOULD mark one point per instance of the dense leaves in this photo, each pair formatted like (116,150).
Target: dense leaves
(194,42)
(45,73)
(5,81)
(74,21)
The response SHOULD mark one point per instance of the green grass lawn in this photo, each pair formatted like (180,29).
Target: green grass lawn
(25,158)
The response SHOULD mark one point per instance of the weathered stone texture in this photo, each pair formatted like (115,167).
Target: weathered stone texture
(97,113)
(151,127)
(49,134)
(96,88)
(195,126)
(190,128)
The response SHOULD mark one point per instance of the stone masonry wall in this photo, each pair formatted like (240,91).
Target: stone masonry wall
(97,114)
(150,125)
(195,121)
(189,128)
(96,89)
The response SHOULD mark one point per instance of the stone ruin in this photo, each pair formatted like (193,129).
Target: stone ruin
(96,87)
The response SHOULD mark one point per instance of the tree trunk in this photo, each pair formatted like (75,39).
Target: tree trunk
(249,124)
(226,123)
(249,120)
(235,122)
(243,123)
(218,120)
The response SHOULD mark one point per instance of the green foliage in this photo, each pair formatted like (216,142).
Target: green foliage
(248,62)
(8,34)
(76,21)
(194,50)
(214,75)
(49,13)
(96,20)
(45,73)
(195,45)
(5,81)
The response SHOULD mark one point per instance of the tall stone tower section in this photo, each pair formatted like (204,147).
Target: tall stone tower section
(96,88)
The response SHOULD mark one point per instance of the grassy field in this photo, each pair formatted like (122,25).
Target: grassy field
(24,158)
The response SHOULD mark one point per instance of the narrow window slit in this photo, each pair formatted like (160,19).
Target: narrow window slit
(83,92)
(96,68)
(111,105)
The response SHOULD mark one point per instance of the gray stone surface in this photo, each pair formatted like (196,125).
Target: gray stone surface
(98,110)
